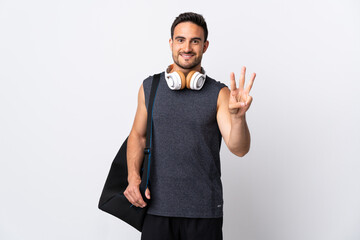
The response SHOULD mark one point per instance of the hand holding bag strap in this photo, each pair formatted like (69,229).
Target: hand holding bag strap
(112,199)
(147,151)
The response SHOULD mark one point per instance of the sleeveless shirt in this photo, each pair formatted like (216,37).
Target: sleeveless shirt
(185,167)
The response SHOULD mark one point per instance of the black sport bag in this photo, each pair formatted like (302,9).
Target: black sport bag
(112,199)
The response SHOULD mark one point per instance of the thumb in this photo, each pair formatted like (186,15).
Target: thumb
(147,193)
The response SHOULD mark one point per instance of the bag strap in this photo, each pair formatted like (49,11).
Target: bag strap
(147,151)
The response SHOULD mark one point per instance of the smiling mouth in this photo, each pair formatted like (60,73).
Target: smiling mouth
(186,55)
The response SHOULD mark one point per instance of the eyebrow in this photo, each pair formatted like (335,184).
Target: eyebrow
(181,37)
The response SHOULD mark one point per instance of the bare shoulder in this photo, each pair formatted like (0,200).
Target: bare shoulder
(223,97)
(139,125)
(223,116)
(141,94)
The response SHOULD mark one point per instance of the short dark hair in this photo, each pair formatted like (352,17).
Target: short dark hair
(190,17)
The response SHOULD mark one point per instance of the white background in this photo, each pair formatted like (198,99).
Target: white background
(70,72)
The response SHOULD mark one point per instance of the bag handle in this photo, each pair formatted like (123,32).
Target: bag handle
(147,151)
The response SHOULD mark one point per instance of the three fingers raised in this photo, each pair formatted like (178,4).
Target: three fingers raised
(242,81)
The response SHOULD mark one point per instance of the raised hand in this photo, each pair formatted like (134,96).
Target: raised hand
(240,100)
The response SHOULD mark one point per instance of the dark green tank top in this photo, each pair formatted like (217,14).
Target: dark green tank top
(185,168)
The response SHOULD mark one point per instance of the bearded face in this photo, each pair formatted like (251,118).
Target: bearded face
(187,45)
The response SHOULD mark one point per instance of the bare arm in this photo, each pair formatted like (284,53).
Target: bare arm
(232,107)
(135,153)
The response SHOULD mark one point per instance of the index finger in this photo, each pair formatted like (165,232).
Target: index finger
(242,78)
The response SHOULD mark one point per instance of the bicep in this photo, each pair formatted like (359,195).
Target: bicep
(139,125)
(223,115)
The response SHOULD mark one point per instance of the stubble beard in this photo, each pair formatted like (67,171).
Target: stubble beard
(197,61)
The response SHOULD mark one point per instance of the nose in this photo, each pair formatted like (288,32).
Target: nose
(187,47)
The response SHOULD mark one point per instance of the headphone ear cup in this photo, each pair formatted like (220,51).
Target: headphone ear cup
(182,78)
(175,80)
(189,79)
(195,80)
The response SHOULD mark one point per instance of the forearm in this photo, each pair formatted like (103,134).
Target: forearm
(135,155)
(239,139)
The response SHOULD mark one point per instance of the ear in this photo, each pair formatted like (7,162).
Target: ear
(206,45)
(171,43)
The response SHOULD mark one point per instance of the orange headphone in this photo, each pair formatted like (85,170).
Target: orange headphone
(177,80)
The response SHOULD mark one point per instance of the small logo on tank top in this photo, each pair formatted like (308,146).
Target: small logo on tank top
(218,205)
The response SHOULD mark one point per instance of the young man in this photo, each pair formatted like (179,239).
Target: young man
(192,112)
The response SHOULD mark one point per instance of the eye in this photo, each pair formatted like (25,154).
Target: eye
(179,40)
(195,41)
